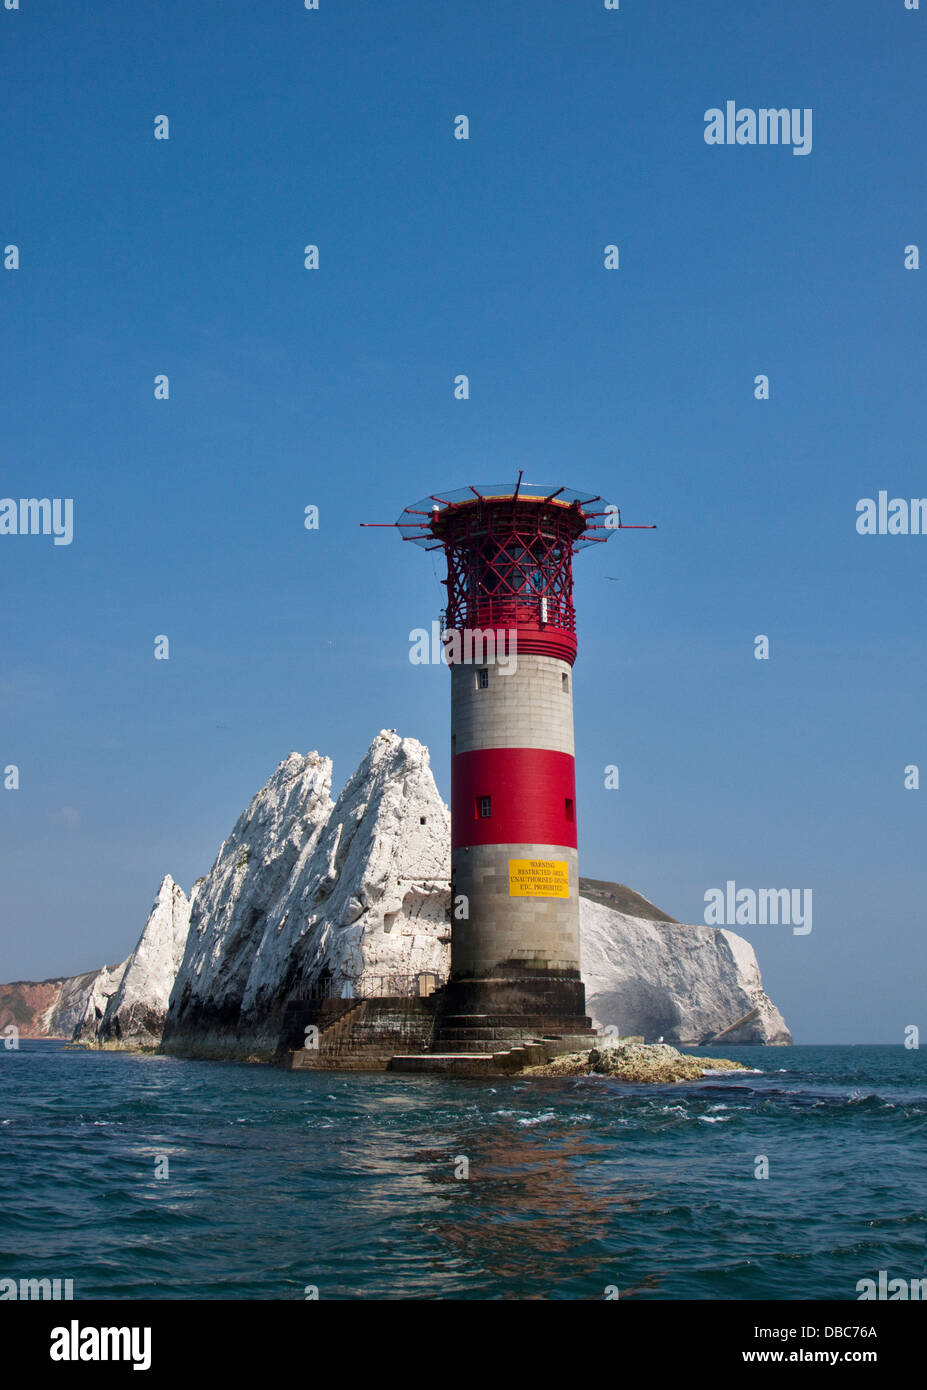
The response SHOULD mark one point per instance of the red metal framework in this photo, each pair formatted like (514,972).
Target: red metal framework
(510,564)
(509,551)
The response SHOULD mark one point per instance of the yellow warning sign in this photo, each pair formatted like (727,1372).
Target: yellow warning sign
(539,878)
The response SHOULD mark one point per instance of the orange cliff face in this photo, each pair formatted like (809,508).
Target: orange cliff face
(29,1006)
(43,1008)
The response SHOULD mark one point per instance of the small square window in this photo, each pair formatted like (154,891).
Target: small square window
(568,807)
(482,678)
(483,807)
(421,820)
(565,683)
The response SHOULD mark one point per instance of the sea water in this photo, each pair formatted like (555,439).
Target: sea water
(138,1176)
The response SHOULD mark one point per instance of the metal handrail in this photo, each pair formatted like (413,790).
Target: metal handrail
(420,985)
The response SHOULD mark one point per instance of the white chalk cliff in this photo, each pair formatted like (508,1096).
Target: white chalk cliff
(270,843)
(665,979)
(96,994)
(361,896)
(135,1012)
(355,896)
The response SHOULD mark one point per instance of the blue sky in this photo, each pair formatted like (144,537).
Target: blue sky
(335,387)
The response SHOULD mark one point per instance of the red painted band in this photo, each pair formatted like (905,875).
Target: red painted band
(547,641)
(532,797)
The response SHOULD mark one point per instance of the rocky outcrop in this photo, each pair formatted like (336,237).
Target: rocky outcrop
(342,898)
(660,979)
(60,1018)
(369,908)
(123,1004)
(636,1064)
(270,843)
(102,987)
(135,1011)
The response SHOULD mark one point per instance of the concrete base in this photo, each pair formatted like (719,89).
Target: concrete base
(447,1064)
(504,1014)
(516,995)
(414,1035)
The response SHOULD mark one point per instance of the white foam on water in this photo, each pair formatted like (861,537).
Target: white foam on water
(740,1071)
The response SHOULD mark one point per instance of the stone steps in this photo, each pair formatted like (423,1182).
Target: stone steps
(368,1035)
(476,1032)
(474,1038)
(399,1035)
(449,1062)
(519,1023)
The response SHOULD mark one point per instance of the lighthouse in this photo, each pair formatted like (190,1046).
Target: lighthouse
(510,642)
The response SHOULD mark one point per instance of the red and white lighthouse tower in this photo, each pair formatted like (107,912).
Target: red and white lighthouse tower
(510,641)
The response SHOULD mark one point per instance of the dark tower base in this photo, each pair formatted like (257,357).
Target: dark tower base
(521,992)
(480,1015)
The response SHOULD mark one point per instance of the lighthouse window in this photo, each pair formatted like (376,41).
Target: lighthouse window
(483,807)
(568,807)
(482,678)
(565,682)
